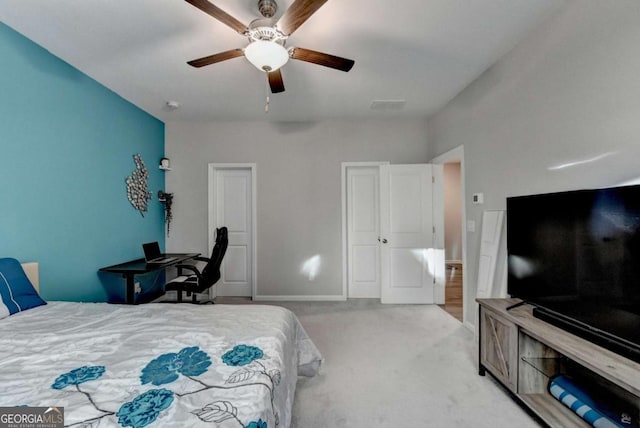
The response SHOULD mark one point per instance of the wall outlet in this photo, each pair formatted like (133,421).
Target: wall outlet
(471,226)
(137,287)
(478,198)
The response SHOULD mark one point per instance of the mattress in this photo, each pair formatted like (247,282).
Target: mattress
(157,365)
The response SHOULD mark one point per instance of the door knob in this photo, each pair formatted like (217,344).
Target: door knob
(384,241)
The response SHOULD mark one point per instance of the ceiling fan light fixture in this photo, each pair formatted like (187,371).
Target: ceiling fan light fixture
(266,55)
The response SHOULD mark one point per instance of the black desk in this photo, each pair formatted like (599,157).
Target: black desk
(139,267)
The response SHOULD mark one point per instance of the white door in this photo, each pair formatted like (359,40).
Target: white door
(233,208)
(363,230)
(411,262)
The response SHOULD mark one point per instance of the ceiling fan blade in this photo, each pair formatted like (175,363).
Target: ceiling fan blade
(275,81)
(297,14)
(219,14)
(320,58)
(212,59)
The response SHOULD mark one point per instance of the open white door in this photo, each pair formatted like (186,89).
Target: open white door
(410,259)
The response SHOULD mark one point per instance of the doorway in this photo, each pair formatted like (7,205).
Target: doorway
(232,203)
(455,232)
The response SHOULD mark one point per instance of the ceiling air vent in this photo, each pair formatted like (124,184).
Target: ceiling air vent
(387,105)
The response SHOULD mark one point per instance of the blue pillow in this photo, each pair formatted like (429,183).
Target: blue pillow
(16,291)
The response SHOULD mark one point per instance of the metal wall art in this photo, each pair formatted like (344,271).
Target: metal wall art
(137,190)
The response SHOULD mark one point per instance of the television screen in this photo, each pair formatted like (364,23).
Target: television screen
(576,246)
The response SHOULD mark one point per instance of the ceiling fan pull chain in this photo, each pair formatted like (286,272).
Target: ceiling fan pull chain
(266,91)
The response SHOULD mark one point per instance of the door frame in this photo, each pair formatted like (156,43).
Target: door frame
(457,154)
(343,194)
(212,168)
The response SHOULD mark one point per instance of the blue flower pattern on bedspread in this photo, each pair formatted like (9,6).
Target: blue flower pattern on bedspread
(145,408)
(257,424)
(241,355)
(164,369)
(78,376)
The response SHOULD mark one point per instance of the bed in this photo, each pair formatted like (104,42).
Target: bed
(156,365)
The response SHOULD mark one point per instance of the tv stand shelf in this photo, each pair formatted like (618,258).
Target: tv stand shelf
(523,352)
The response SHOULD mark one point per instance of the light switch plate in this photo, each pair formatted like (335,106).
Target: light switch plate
(478,198)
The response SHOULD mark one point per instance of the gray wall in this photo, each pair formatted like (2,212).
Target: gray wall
(298,180)
(569,93)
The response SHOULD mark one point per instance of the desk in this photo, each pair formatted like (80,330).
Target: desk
(139,267)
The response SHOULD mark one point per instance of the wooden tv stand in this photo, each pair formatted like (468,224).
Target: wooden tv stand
(522,352)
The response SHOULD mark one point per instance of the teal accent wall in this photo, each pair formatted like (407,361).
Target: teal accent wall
(66,147)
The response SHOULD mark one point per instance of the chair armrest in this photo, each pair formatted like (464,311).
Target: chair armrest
(202,259)
(188,267)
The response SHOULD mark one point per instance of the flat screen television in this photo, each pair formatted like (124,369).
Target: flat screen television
(575,256)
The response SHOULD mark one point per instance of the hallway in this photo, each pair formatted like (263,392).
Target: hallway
(453,291)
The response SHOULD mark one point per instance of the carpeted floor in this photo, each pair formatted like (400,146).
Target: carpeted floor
(396,366)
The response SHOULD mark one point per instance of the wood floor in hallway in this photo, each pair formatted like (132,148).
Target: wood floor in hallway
(453,291)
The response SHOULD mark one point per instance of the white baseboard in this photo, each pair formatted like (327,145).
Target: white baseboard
(469,326)
(299,298)
(364,295)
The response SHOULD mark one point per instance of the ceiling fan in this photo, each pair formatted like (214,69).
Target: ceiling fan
(266,49)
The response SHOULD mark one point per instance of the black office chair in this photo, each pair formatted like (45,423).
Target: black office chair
(201,281)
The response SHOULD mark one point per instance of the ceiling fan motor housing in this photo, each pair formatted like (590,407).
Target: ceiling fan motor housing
(265,29)
(267,8)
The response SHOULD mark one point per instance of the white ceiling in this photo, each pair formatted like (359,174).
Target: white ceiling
(421,51)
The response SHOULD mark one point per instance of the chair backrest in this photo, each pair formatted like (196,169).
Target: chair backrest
(211,272)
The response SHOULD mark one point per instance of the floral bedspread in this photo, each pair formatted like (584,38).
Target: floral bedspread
(156,365)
